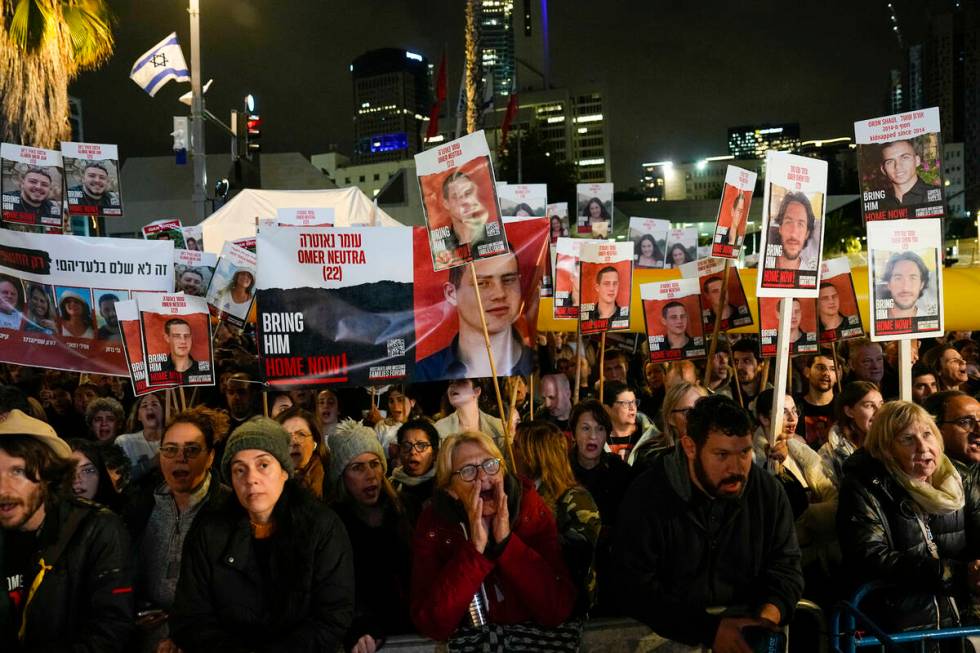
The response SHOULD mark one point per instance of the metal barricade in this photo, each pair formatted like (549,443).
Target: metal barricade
(845,637)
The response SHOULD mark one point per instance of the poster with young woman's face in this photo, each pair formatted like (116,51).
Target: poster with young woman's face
(733,214)
(595,210)
(558,221)
(682,246)
(649,238)
(523,200)
(232,287)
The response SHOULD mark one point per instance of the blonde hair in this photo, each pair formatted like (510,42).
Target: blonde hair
(673,397)
(543,452)
(891,418)
(444,463)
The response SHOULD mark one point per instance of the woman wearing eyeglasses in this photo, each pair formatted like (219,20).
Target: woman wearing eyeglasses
(629,425)
(380,533)
(270,571)
(160,516)
(486,561)
(418,446)
(304,449)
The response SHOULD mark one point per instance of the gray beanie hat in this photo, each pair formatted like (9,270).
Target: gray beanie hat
(349,440)
(258,433)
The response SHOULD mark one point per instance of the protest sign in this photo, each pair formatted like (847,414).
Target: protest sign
(298,217)
(193,271)
(459,200)
(682,246)
(58,295)
(709,273)
(31,183)
(595,210)
(232,286)
(548,280)
(131,330)
(838,317)
(92,179)
(166,229)
(523,200)
(193,238)
(802,326)
(566,300)
(335,305)
(649,237)
(606,273)
(792,226)
(447,318)
(558,220)
(905,278)
(670,312)
(733,212)
(247,243)
(899,166)
(176,340)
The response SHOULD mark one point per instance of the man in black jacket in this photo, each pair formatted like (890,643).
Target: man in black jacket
(705,529)
(65,562)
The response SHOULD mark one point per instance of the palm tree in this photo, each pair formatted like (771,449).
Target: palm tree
(44,44)
(470,71)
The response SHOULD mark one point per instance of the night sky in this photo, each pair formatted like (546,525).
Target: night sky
(676,74)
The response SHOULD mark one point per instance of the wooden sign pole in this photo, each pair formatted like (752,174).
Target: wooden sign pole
(714,333)
(905,370)
(602,365)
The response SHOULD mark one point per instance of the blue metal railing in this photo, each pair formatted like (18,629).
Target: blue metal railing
(845,620)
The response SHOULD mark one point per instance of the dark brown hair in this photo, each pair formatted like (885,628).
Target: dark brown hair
(41,464)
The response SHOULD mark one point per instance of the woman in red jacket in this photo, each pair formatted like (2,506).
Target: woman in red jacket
(485,551)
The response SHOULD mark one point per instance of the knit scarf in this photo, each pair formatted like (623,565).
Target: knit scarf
(399,475)
(941,495)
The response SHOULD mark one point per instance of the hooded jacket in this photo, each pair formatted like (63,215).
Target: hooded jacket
(524,577)
(302,600)
(882,539)
(84,601)
(677,552)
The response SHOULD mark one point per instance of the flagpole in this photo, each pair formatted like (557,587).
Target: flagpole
(199,195)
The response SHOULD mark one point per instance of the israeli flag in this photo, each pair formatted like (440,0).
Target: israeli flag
(160,64)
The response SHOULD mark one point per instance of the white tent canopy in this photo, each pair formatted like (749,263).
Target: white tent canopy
(237,218)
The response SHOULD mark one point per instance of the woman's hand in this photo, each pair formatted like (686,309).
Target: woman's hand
(501,520)
(365,644)
(474,513)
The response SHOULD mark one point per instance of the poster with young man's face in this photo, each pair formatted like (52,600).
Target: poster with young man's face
(299,217)
(682,246)
(899,166)
(523,200)
(447,317)
(131,333)
(459,200)
(166,229)
(802,325)
(595,210)
(193,238)
(792,226)
(671,311)
(193,271)
(606,273)
(176,340)
(557,214)
(31,183)
(92,179)
(838,317)
(733,214)
(905,278)
(649,238)
(709,273)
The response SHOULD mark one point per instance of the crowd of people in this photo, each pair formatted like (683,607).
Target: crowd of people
(233,519)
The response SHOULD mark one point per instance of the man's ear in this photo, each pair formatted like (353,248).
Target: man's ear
(449,292)
(690,449)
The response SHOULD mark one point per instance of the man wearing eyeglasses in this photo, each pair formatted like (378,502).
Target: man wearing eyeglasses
(160,517)
(418,446)
(956,414)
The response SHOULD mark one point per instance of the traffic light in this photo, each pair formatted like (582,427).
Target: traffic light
(253,133)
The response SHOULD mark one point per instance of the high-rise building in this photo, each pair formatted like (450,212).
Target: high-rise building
(752,141)
(391,99)
(495,40)
(896,94)
(75,119)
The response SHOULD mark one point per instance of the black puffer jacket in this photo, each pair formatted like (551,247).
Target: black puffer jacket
(676,552)
(85,599)
(301,600)
(882,539)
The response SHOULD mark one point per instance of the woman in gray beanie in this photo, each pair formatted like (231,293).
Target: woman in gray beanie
(271,571)
(380,534)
